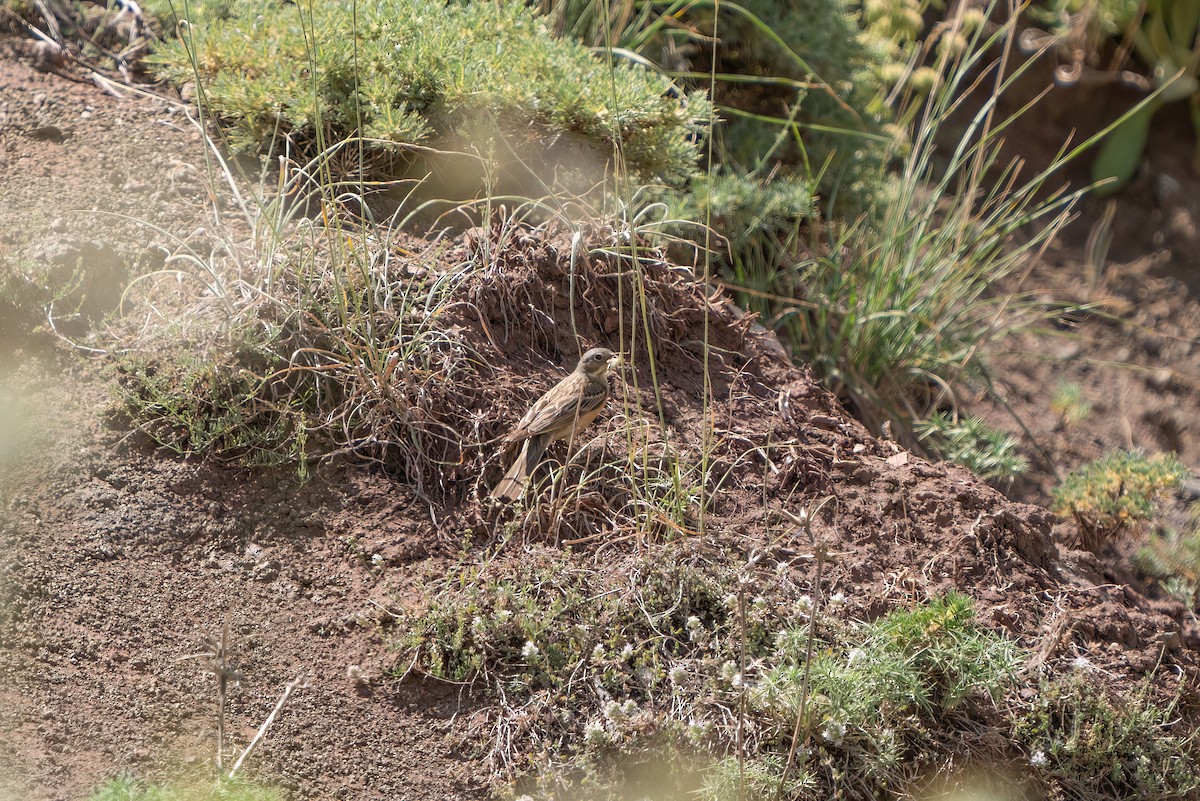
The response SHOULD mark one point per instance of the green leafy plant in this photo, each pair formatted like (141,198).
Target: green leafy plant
(1165,37)
(1069,404)
(1084,743)
(987,452)
(479,79)
(879,693)
(1115,492)
(1173,559)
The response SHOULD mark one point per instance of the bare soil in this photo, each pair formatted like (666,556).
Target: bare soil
(120,562)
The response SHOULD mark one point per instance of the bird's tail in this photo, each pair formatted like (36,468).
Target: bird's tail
(512,486)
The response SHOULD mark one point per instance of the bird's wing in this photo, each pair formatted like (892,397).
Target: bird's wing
(570,399)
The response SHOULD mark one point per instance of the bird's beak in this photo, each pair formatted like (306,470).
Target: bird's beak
(615,362)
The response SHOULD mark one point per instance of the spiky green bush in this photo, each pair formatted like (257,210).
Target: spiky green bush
(1115,492)
(969,441)
(928,662)
(481,77)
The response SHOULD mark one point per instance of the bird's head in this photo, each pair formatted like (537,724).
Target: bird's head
(597,361)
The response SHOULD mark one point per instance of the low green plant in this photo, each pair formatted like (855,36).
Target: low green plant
(130,788)
(880,697)
(759,779)
(1166,37)
(476,77)
(1116,492)
(969,441)
(1069,404)
(586,660)
(875,707)
(1173,559)
(897,310)
(1083,742)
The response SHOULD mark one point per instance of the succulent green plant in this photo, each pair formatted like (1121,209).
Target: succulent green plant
(1165,39)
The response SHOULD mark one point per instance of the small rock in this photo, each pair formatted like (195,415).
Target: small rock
(47,56)
(48,133)
(1160,379)
(1069,351)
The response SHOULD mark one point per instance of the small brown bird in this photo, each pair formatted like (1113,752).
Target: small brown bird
(561,413)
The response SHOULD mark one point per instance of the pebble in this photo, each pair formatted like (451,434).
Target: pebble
(1160,379)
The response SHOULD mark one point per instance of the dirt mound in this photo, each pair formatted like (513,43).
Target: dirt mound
(121,565)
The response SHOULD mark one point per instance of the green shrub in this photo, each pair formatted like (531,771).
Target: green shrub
(927,661)
(1173,559)
(987,452)
(588,665)
(480,77)
(881,698)
(1115,492)
(1085,743)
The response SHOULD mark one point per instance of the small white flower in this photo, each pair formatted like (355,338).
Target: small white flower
(837,599)
(530,650)
(1038,758)
(377,559)
(677,674)
(804,603)
(503,615)
(477,622)
(613,711)
(593,731)
(627,651)
(854,655)
(759,602)
(834,731)
(1082,663)
(728,670)
(629,707)
(737,681)
(645,675)
(693,622)
(697,730)
(598,653)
